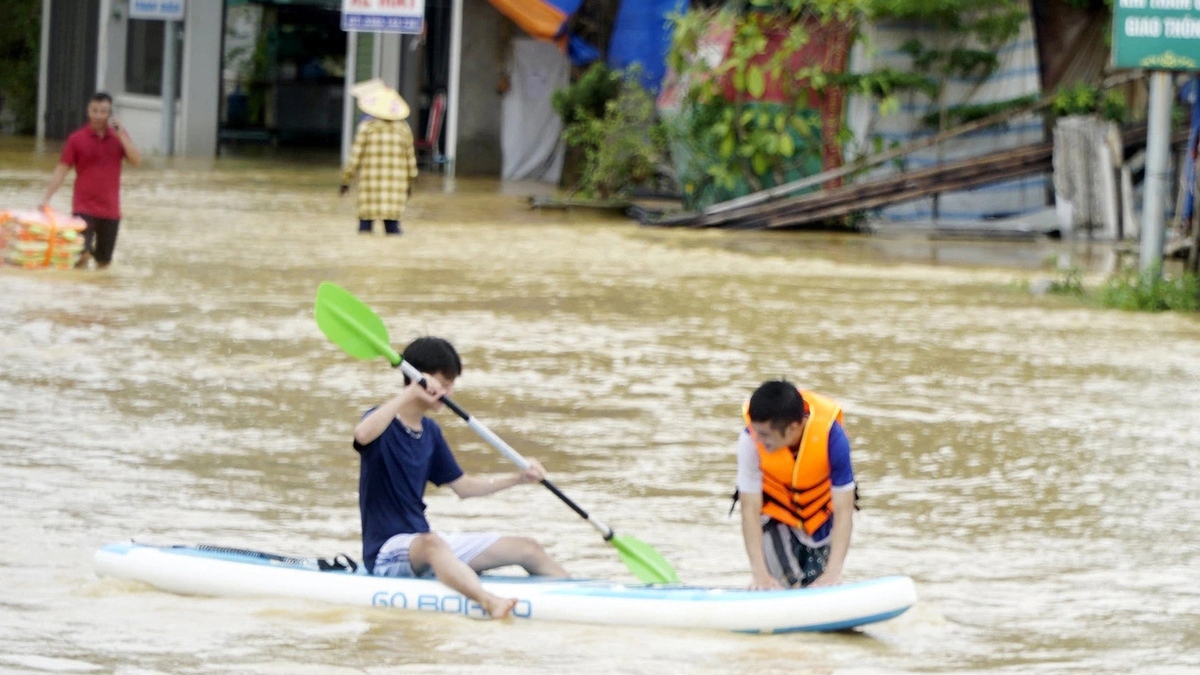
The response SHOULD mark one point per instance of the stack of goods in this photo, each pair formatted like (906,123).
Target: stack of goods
(44,238)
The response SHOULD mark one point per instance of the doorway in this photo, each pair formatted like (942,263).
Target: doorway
(282,74)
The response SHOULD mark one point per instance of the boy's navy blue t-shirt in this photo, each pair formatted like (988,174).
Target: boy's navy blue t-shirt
(391,482)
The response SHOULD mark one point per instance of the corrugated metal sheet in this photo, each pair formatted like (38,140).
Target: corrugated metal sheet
(1017,76)
(71,71)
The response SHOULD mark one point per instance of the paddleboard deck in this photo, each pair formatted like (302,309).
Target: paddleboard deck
(230,572)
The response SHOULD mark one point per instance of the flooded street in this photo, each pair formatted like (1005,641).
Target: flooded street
(1033,464)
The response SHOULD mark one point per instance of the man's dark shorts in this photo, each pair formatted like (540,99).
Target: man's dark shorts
(100,237)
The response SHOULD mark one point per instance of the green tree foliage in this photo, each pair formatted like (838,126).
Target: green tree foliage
(587,97)
(976,28)
(736,142)
(20,31)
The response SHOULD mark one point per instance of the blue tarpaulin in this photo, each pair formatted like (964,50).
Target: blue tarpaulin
(547,20)
(1189,93)
(642,35)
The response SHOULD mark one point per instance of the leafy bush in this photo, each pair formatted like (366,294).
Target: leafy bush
(587,97)
(612,119)
(1084,99)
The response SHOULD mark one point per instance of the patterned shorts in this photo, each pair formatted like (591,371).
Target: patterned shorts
(788,560)
(392,560)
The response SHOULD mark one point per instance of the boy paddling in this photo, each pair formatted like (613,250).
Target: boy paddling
(402,449)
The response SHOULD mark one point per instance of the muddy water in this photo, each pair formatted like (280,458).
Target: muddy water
(1030,463)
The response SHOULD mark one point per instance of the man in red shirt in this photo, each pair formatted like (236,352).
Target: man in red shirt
(96,151)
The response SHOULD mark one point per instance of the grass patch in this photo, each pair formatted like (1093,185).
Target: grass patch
(1133,291)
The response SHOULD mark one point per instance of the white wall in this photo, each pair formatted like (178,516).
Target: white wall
(142,118)
(196,115)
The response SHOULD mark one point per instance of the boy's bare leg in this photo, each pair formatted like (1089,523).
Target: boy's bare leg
(523,551)
(433,551)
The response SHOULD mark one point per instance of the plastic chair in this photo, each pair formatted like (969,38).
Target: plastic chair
(427,147)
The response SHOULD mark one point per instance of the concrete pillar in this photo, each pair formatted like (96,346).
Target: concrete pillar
(456,45)
(110,55)
(200,89)
(170,88)
(389,59)
(1158,151)
(104,41)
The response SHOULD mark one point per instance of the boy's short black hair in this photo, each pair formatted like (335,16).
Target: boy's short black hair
(433,355)
(778,403)
(101,97)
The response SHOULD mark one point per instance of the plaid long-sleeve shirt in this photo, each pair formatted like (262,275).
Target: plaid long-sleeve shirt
(386,163)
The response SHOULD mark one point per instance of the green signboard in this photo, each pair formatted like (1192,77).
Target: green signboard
(1156,34)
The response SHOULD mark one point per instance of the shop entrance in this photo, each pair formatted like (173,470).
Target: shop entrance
(282,73)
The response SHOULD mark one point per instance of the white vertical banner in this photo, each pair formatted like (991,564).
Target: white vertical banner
(383,16)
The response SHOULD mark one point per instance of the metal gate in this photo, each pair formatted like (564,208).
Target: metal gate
(71,71)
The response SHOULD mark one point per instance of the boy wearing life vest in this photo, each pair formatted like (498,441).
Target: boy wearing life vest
(796,486)
(402,449)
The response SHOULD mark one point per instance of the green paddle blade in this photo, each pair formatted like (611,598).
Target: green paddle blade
(646,564)
(351,325)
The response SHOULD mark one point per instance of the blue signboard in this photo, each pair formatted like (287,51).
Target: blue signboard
(383,16)
(162,10)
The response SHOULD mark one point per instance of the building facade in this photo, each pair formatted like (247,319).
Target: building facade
(272,72)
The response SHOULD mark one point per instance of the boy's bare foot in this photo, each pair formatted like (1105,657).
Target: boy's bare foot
(497,607)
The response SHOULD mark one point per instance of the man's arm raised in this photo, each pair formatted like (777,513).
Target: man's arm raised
(131,151)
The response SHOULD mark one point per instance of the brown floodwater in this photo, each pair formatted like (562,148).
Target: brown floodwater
(1032,463)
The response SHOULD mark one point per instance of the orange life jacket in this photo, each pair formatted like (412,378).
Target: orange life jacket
(799,490)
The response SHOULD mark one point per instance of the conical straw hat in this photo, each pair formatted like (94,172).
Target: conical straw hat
(379,100)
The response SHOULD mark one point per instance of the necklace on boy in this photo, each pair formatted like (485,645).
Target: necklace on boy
(414,434)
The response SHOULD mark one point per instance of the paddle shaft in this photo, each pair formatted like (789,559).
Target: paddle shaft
(505,449)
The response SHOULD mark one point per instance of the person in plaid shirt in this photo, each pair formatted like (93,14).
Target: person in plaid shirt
(383,157)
